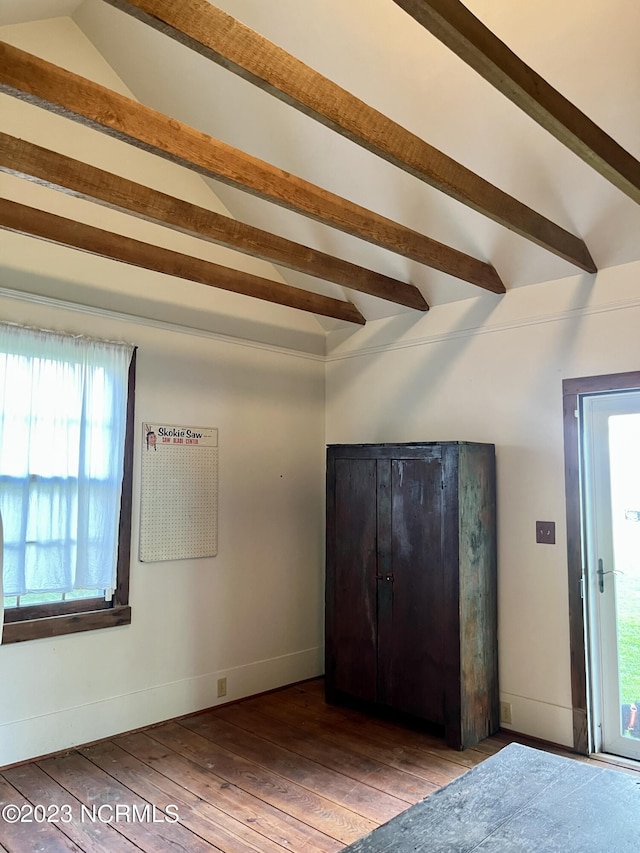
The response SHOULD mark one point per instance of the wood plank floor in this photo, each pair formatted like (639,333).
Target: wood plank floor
(283,771)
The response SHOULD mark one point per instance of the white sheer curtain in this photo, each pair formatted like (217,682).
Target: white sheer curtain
(63,406)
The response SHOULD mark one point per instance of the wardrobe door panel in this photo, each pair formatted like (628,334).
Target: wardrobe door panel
(415,655)
(351,582)
(385,581)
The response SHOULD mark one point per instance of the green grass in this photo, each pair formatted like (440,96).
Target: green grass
(49,597)
(629,659)
(628,606)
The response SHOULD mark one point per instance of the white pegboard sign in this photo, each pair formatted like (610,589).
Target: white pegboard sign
(179,492)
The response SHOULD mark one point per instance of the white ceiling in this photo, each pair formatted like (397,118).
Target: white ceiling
(20,11)
(588,49)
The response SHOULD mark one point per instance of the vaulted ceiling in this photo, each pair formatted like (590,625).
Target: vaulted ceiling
(348,155)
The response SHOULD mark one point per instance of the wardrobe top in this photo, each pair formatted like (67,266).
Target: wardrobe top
(416,444)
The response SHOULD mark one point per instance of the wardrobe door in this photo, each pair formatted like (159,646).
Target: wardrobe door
(414,677)
(351,633)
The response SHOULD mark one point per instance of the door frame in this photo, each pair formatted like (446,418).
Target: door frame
(572,392)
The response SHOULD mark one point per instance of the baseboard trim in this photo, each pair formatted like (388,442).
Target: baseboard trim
(70,728)
(535,742)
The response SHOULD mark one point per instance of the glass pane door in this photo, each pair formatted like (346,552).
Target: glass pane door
(611,453)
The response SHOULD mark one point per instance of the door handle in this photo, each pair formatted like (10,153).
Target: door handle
(601,573)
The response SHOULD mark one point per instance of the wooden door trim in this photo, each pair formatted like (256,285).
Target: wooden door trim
(572,392)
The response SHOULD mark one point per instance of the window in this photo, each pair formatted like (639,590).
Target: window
(66,420)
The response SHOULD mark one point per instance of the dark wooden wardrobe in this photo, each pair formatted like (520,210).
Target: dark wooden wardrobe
(411,582)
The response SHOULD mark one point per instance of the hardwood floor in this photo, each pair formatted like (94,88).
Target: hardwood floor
(279,772)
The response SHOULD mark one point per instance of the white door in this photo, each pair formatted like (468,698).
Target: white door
(611,490)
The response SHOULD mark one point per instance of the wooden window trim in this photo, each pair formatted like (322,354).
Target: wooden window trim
(70,617)
(572,391)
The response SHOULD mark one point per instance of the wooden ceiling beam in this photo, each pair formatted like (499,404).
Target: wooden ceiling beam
(23,219)
(454,25)
(216,35)
(56,171)
(39,82)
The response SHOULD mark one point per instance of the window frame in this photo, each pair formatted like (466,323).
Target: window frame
(54,619)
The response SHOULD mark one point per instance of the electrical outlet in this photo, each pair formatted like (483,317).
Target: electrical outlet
(222,687)
(505,713)
(546,532)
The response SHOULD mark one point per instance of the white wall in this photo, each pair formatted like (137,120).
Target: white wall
(254,612)
(491,369)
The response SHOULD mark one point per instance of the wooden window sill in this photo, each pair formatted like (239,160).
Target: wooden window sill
(72,623)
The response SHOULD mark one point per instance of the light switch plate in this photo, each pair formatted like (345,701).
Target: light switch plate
(546,532)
